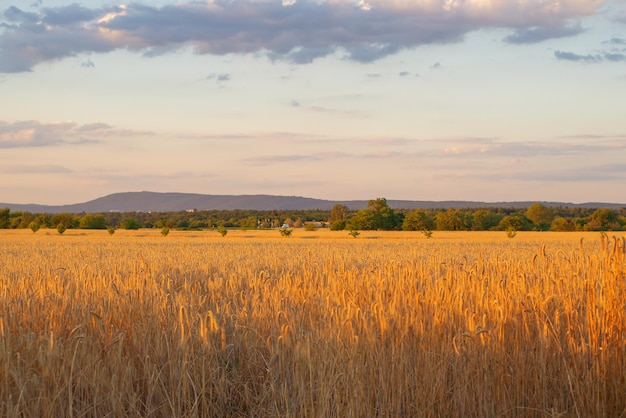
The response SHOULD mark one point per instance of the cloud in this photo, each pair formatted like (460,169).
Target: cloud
(35,169)
(616,41)
(299,31)
(589,58)
(570,56)
(25,134)
(539,34)
(219,77)
(88,64)
(577,145)
(614,57)
(325,157)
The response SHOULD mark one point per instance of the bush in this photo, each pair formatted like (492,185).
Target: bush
(338,225)
(511,232)
(34,226)
(60,228)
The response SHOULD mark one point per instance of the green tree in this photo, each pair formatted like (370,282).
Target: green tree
(362,220)
(91,221)
(165,231)
(338,225)
(384,217)
(68,220)
(5,218)
(450,220)
(131,223)
(111,230)
(516,221)
(540,215)
(485,219)
(560,224)
(61,228)
(34,226)
(25,219)
(338,213)
(285,232)
(603,220)
(222,230)
(417,220)
(249,223)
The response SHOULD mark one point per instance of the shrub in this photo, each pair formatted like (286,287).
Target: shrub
(34,226)
(338,225)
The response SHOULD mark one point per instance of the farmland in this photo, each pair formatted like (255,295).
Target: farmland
(319,324)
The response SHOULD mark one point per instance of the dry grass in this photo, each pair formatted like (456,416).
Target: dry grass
(316,325)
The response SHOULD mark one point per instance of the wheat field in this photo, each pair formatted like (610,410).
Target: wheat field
(319,324)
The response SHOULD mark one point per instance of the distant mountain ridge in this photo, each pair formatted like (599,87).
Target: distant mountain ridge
(174,202)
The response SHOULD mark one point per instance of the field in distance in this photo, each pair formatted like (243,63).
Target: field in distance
(315,324)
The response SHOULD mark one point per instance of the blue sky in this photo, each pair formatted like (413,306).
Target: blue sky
(337,99)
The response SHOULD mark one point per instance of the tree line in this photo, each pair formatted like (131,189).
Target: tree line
(378,215)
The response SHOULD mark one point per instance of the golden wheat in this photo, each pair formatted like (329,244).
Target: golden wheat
(315,325)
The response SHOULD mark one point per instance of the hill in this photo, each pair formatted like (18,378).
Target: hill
(173,202)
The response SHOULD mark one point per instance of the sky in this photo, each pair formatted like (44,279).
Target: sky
(480,100)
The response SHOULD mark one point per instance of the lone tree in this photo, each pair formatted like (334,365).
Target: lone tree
(222,230)
(34,226)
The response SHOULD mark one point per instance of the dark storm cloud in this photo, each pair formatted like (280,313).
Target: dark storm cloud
(298,31)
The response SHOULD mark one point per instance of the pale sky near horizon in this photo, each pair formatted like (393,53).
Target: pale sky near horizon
(482,100)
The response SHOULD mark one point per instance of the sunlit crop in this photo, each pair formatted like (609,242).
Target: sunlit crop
(318,324)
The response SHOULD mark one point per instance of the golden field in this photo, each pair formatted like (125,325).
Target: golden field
(319,324)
